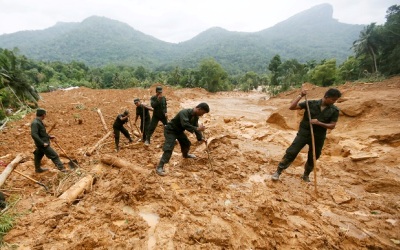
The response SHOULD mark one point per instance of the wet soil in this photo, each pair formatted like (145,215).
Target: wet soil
(223,199)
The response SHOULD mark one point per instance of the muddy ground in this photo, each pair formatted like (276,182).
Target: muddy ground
(225,198)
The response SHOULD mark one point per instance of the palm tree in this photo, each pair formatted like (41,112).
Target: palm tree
(12,76)
(366,44)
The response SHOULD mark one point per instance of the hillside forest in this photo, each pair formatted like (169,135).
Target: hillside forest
(376,55)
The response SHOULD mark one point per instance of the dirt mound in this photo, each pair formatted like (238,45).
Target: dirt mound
(223,199)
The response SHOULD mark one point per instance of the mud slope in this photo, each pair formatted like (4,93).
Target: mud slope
(224,199)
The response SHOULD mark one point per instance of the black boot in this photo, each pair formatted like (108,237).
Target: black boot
(62,168)
(305,178)
(40,170)
(160,169)
(307,171)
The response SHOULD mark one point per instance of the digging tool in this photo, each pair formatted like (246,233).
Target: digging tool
(51,128)
(130,124)
(72,163)
(140,132)
(208,154)
(35,181)
(313,146)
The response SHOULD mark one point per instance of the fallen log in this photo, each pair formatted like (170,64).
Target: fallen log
(10,167)
(77,189)
(91,150)
(121,163)
(102,119)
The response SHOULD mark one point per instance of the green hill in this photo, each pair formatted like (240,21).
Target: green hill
(310,35)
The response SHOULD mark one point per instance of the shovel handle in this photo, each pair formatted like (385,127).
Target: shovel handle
(69,158)
(140,132)
(61,149)
(30,178)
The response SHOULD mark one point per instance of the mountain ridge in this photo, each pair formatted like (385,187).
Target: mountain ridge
(97,41)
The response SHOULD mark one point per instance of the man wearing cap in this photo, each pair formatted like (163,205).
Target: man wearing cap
(42,142)
(159,104)
(118,127)
(186,119)
(142,111)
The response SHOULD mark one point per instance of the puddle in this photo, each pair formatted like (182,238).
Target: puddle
(152,220)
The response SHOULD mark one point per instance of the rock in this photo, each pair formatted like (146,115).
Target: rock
(278,119)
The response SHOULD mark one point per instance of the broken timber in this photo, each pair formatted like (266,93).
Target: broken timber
(10,167)
(102,119)
(121,163)
(91,150)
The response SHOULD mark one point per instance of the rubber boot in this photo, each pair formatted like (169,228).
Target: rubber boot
(190,156)
(40,170)
(276,175)
(160,169)
(62,168)
(307,171)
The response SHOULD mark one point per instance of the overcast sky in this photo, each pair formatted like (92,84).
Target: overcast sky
(180,20)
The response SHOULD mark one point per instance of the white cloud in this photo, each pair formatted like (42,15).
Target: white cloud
(180,20)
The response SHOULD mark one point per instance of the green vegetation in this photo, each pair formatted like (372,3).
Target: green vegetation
(8,217)
(377,55)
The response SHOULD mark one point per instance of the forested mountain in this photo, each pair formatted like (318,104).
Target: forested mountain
(310,35)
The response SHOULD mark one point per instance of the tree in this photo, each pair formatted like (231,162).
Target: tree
(274,67)
(212,75)
(349,70)
(367,44)
(324,74)
(390,46)
(12,76)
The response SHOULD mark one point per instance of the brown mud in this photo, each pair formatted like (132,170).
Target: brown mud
(225,198)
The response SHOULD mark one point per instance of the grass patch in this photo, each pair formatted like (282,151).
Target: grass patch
(8,216)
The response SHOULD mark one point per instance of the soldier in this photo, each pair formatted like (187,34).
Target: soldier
(142,111)
(159,104)
(186,119)
(118,127)
(42,142)
(324,115)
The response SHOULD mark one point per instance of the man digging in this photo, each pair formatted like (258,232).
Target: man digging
(42,142)
(186,119)
(324,115)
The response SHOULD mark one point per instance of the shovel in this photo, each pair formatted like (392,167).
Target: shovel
(35,181)
(140,132)
(72,163)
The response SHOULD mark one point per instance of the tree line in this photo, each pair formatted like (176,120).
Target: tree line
(376,55)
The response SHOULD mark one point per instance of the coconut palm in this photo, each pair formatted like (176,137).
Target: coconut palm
(367,44)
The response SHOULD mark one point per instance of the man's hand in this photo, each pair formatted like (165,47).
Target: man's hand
(52,137)
(201,128)
(314,121)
